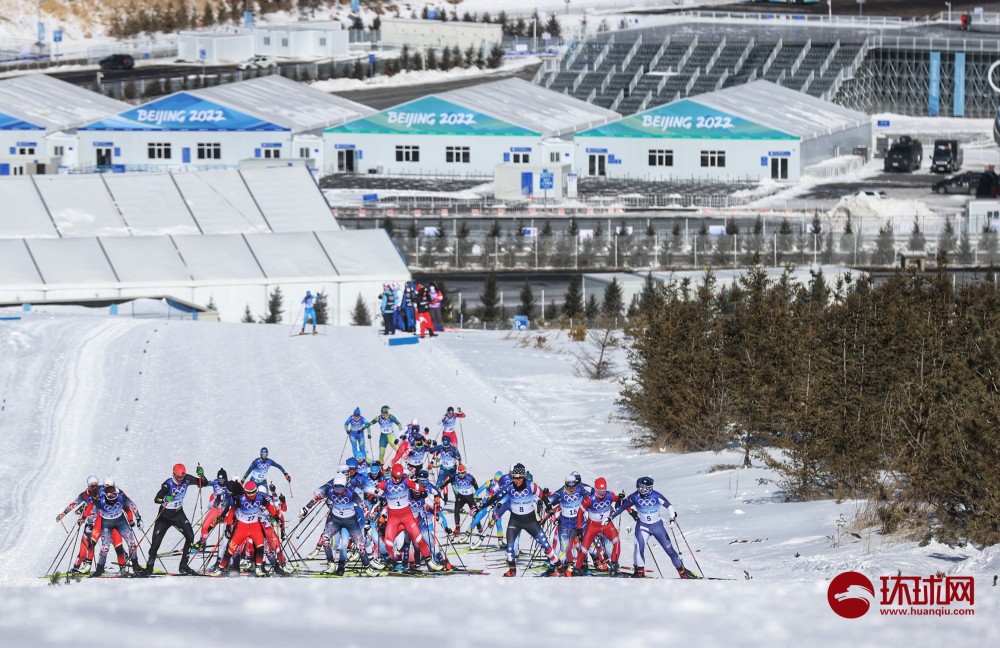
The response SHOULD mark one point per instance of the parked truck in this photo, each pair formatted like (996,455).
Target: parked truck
(947,156)
(905,155)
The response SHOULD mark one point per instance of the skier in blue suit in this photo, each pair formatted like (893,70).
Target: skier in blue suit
(647,503)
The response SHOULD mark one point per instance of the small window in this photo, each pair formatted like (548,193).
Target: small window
(520,158)
(304,152)
(209,151)
(272,153)
(57,151)
(26,150)
(659,157)
(18,170)
(456,154)
(159,150)
(407,153)
(284,42)
(322,42)
(713,158)
(554,157)
(267,40)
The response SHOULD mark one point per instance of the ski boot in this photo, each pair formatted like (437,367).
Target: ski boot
(582,571)
(399,567)
(638,572)
(137,570)
(511,572)
(279,570)
(259,572)
(85,568)
(313,554)
(370,571)
(613,569)
(331,567)
(432,565)
(375,563)
(197,546)
(447,566)
(340,568)
(186,571)
(98,572)
(686,573)
(550,570)
(566,570)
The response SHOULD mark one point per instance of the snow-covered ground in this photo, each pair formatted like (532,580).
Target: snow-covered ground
(82,393)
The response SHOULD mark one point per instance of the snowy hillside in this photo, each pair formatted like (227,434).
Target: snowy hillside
(82,393)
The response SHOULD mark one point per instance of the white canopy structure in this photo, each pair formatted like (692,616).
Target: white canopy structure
(229,237)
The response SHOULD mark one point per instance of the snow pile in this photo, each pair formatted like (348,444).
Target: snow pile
(863,205)
(420,77)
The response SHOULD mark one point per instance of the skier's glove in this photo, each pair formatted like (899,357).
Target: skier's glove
(288,478)
(303,513)
(200,471)
(60,517)
(621,495)
(369,436)
(168,498)
(635,515)
(138,521)
(229,531)
(281,498)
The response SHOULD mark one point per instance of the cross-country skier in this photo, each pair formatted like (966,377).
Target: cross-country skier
(426,505)
(259,468)
(385,421)
(273,526)
(647,503)
(170,497)
(500,479)
(84,501)
(219,503)
(448,457)
(412,431)
(346,515)
(596,510)
(523,496)
(109,507)
(448,424)
(465,487)
(247,512)
(416,455)
(309,312)
(569,498)
(354,428)
(396,491)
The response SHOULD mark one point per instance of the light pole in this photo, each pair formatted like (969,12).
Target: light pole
(948,4)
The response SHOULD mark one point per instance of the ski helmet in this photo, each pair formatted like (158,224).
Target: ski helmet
(418,491)
(263,453)
(397,471)
(644,485)
(110,490)
(357,411)
(570,481)
(518,470)
(419,442)
(250,487)
(180,472)
(385,409)
(308,294)
(577,480)
(423,475)
(600,484)
(451,410)
(93,481)
(415,423)
(352,463)
(375,468)
(342,469)
(461,469)
(498,476)
(223,476)
(340,483)
(446,442)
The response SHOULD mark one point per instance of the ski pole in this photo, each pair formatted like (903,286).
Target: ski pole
(689,549)
(653,556)
(465,454)
(347,435)
(296,321)
(70,562)
(60,552)
(677,545)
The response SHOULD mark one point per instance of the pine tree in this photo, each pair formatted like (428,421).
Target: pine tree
(360,316)
(917,240)
(274,307)
(432,61)
(248,316)
(404,58)
(614,302)
(885,246)
(321,308)
(490,298)
(359,71)
(496,57)
(573,299)
(527,305)
(553,27)
(592,309)
(946,241)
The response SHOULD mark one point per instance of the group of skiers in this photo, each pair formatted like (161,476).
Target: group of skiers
(412,308)
(384,514)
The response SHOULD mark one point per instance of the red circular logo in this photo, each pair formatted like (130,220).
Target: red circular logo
(851,595)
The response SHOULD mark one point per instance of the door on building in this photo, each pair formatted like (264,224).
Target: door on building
(596,164)
(345,160)
(527,183)
(779,168)
(103,156)
(4,169)
(186,155)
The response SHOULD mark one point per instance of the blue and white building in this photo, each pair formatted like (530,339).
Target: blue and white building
(756,131)
(268,118)
(39,116)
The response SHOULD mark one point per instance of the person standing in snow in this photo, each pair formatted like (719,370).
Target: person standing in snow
(259,468)
(647,503)
(424,324)
(346,515)
(465,487)
(447,457)
(436,297)
(309,312)
(387,300)
(170,497)
(569,498)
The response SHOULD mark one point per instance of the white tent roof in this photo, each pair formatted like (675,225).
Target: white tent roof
(79,261)
(279,199)
(531,106)
(783,109)
(296,106)
(53,104)
(16,266)
(145,259)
